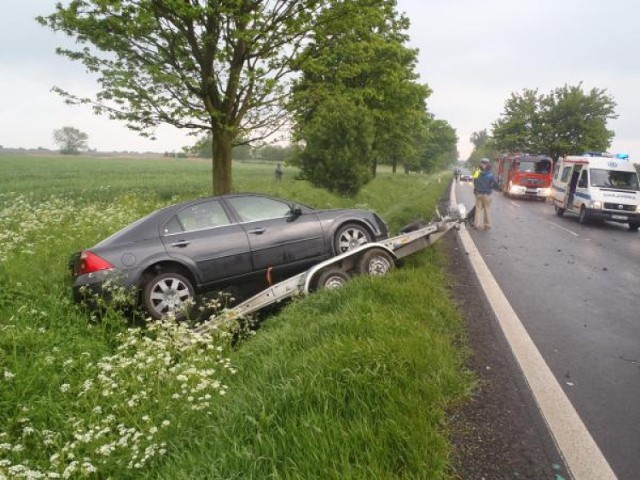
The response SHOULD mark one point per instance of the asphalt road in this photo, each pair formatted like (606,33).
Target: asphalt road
(576,289)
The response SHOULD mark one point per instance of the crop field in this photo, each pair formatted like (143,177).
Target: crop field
(342,384)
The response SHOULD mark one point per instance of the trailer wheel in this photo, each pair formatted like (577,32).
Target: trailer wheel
(559,211)
(330,278)
(583,218)
(375,262)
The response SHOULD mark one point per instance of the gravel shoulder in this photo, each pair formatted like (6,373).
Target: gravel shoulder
(499,433)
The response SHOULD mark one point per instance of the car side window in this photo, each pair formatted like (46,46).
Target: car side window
(565,174)
(197,217)
(583,182)
(254,208)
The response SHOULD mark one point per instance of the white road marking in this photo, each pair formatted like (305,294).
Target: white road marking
(582,455)
(514,204)
(554,224)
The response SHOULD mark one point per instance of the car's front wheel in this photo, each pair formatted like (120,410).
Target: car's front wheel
(350,236)
(633,226)
(168,294)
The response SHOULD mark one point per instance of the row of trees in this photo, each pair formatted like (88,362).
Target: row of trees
(337,73)
(566,121)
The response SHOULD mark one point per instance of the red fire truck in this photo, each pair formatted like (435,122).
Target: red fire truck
(525,175)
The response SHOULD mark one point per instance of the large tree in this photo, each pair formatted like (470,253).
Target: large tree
(568,120)
(358,52)
(70,140)
(208,65)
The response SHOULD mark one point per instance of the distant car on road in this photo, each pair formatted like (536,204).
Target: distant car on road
(241,241)
(466,176)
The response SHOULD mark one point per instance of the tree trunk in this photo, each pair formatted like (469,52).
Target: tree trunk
(394,164)
(221,162)
(374,167)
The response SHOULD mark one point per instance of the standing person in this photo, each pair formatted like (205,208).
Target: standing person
(279,173)
(483,185)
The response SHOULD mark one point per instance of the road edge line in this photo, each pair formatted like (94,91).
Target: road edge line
(579,450)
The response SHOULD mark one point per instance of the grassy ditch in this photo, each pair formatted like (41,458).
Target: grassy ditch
(347,384)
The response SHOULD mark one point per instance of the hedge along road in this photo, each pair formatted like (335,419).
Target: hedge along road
(571,320)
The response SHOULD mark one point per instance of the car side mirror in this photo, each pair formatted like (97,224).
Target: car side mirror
(296,210)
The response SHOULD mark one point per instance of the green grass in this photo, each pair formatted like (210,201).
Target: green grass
(346,384)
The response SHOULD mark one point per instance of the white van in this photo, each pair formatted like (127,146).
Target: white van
(597,187)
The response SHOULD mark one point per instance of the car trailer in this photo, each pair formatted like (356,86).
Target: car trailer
(375,258)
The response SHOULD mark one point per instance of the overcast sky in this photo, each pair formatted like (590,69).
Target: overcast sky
(473,54)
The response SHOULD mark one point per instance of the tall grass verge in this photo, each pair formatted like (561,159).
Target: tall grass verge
(349,384)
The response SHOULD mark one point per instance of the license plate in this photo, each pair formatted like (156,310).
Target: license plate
(530,190)
(619,217)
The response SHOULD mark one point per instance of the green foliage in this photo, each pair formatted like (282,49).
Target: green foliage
(441,148)
(338,146)
(211,66)
(483,147)
(70,140)
(567,121)
(359,52)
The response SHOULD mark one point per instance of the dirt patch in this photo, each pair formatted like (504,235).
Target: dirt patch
(499,434)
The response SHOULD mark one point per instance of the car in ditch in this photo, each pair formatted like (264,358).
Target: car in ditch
(238,243)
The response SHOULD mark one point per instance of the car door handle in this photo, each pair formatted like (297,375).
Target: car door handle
(180,244)
(257,231)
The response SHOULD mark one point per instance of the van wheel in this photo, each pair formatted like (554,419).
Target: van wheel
(633,226)
(583,218)
(559,211)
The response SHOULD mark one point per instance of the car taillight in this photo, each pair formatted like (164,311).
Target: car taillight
(90,262)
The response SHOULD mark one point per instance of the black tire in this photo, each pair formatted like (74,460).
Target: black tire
(559,211)
(350,236)
(633,226)
(330,278)
(375,262)
(168,293)
(583,218)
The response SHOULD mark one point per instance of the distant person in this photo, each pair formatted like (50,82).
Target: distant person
(279,172)
(483,185)
(456,174)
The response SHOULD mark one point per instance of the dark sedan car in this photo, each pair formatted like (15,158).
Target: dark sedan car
(239,242)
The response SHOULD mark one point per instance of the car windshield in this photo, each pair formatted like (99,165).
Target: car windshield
(614,179)
(535,166)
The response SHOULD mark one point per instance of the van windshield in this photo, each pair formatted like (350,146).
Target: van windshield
(614,179)
(532,166)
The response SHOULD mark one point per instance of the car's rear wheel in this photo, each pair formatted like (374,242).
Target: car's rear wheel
(168,294)
(559,211)
(376,262)
(331,278)
(350,236)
